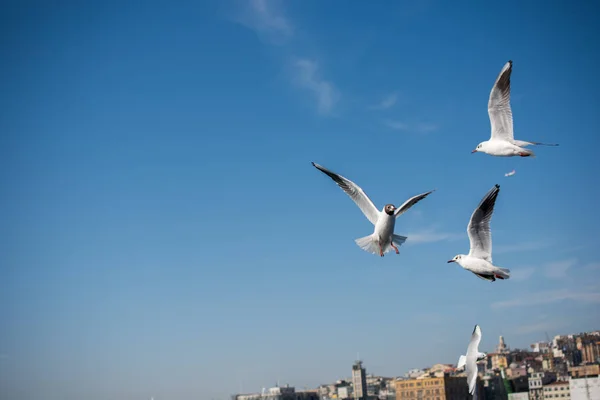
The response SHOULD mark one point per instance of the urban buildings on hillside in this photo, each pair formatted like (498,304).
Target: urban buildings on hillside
(564,368)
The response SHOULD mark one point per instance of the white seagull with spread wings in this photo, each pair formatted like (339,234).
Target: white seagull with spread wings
(470,360)
(502,142)
(479,259)
(383,238)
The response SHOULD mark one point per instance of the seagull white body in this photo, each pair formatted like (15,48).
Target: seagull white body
(470,360)
(502,142)
(383,238)
(479,259)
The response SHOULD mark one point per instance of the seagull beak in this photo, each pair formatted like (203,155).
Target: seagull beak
(473,151)
(450,261)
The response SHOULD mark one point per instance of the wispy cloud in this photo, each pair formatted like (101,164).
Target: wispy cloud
(525,246)
(387,102)
(398,125)
(557,270)
(521,273)
(431,236)
(307,76)
(583,295)
(422,127)
(267,19)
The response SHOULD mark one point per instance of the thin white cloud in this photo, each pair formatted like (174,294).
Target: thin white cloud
(525,246)
(398,125)
(387,102)
(426,127)
(431,236)
(306,75)
(559,269)
(267,19)
(423,127)
(583,295)
(521,273)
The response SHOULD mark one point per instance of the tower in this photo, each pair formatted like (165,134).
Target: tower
(359,381)
(502,348)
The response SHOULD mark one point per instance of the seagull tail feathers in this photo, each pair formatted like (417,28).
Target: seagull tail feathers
(398,240)
(368,244)
(503,272)
(527,152)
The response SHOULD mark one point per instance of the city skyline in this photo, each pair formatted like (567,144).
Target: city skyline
(501,346)
(165,235)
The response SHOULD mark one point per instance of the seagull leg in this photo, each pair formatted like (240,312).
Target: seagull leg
(394,247)
(380,250)
(524,154)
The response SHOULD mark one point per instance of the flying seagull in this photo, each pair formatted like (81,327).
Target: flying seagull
(479,259)
(383,238)
(470,360)
(502,142)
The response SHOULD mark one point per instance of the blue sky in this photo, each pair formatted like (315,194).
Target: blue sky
(165,235)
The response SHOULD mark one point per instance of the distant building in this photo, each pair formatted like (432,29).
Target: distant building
(498,360)
(414,373)
(520,384)
(344,392)
(437,388)
(557,390)
(585,388)
(584,370)
(536,382)
(493,387)
(584,382)
(359,381)
(519,396)
(502,348)
(541,347)
(566,347)
(515,370)
(589,346)
(548,362)
(279,393)
(440,369)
